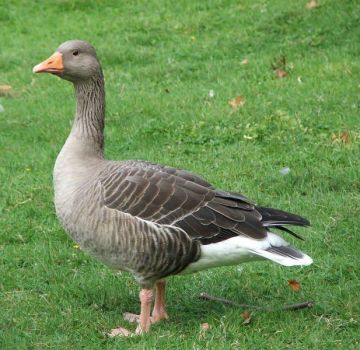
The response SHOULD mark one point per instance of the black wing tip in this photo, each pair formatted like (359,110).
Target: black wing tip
(274,217)
(301,222)
(307,223)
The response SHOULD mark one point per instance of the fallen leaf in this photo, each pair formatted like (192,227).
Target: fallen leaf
(341,137)
(237,102)
(312,5)
(246,315)
(294,285)
(281,73)
(345,137)
(5,90)
(244,61)
(204,327)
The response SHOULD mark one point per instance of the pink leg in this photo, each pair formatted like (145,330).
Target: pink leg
(159,311)
(144,319)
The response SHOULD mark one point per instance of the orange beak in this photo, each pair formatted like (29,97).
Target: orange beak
(54,64)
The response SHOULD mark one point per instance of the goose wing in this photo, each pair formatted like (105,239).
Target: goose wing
(171,196)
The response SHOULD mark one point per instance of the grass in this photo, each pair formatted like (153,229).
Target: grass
(160,60)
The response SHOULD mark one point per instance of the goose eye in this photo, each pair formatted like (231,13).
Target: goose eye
(75,53)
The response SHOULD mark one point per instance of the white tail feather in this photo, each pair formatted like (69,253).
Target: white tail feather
(241,249)
(285,260)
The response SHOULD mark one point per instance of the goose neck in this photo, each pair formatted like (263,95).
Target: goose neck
(90,112)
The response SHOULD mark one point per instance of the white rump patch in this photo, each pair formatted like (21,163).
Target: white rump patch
(241,249)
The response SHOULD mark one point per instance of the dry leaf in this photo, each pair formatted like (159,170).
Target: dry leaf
(244,61)
(238,101)
(312,5)
(341,137)
(205,327)
(5,90)
(246,315)
(294,285)
(345,137)
(281,73)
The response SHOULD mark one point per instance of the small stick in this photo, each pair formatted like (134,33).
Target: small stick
(296,306)
(206,296)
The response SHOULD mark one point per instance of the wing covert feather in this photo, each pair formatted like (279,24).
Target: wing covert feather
(170,196)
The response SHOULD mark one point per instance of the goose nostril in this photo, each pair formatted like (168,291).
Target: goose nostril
(50,62)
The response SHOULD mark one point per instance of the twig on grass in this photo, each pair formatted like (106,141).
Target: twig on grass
(296,306)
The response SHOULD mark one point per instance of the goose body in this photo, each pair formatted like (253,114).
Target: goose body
(151,220)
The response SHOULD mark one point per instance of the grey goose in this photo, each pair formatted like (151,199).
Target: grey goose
(151,220)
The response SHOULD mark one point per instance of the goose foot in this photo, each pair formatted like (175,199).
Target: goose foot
(119,332)
(144,320)
(159,311)
(123,332)
(132,318)
(157,316)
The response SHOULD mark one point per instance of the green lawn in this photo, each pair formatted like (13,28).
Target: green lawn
(160,61)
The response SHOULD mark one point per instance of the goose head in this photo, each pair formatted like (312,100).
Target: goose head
(74,60)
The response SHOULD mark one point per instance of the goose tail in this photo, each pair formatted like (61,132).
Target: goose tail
(283,253)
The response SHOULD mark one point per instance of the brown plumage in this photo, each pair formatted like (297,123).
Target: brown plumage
(148,219)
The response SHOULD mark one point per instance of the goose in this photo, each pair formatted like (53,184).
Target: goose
(151,220)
